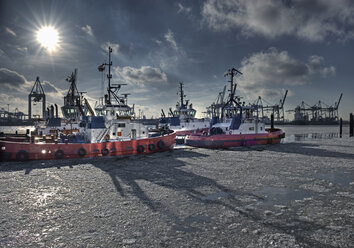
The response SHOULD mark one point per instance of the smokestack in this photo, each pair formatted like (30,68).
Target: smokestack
(51,111)
(56,110)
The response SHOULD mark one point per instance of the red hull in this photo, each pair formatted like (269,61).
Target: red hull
(223,140)
(189,132)
(27,151)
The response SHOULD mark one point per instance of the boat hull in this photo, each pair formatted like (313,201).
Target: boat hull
(22,151)
(223,140)
(191,131)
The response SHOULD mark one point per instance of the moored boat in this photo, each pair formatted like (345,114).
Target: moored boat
(273,136)
(22,151)
(238,125)
(182,120)
(111,132)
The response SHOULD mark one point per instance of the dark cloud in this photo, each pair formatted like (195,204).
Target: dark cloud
(272,71)
(48,87)
(145,75)
(159,43)
(310,20)
(11,78)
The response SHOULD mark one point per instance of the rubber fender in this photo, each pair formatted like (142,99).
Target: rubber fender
(59,154)
(140,149)
(22,155)
(82,152)
(152,147)
(105,151)
(161,145)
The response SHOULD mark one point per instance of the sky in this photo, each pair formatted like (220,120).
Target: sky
(306,47)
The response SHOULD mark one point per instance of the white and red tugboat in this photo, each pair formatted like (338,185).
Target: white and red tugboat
(182,120)
(111,132)
(237,126)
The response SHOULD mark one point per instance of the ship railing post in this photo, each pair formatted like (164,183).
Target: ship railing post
(351,125)
(272,121)
(340,127)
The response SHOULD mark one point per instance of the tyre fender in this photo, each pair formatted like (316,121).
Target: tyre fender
(152,147)
(105,151)
(22,155)
(82,152)
(161,145)
(140,149)
(59,154)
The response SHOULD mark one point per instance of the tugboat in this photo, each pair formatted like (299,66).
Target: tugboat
(182,120)
(111,133)
(237,125)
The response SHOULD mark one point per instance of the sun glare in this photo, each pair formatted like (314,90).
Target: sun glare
(48,38)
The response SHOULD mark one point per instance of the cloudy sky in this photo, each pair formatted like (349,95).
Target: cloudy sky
(304,46)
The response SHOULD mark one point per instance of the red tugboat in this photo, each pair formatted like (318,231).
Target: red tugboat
(111,132)
(237,125)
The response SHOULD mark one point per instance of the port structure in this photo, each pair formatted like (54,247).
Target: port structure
(276,109)
(215,108)
(320,112)
(37,95)
(6,115)
(228,107)
(75,104)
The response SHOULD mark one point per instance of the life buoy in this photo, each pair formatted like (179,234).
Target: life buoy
(22,155)
(140,148)
(82,152)
(152,147)
(105,151)
(59,154)
(161,145)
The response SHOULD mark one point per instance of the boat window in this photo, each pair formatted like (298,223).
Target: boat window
(121,124)
(261,128)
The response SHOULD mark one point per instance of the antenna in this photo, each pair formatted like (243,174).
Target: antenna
(181,93)
(101,68)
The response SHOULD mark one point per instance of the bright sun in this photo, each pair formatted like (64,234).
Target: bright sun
(48,38)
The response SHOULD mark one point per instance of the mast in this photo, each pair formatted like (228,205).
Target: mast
(230,103)
(109,75)
(181,93)
(232,73)
(112,89)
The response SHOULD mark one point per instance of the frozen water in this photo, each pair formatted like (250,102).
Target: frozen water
(296,194)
